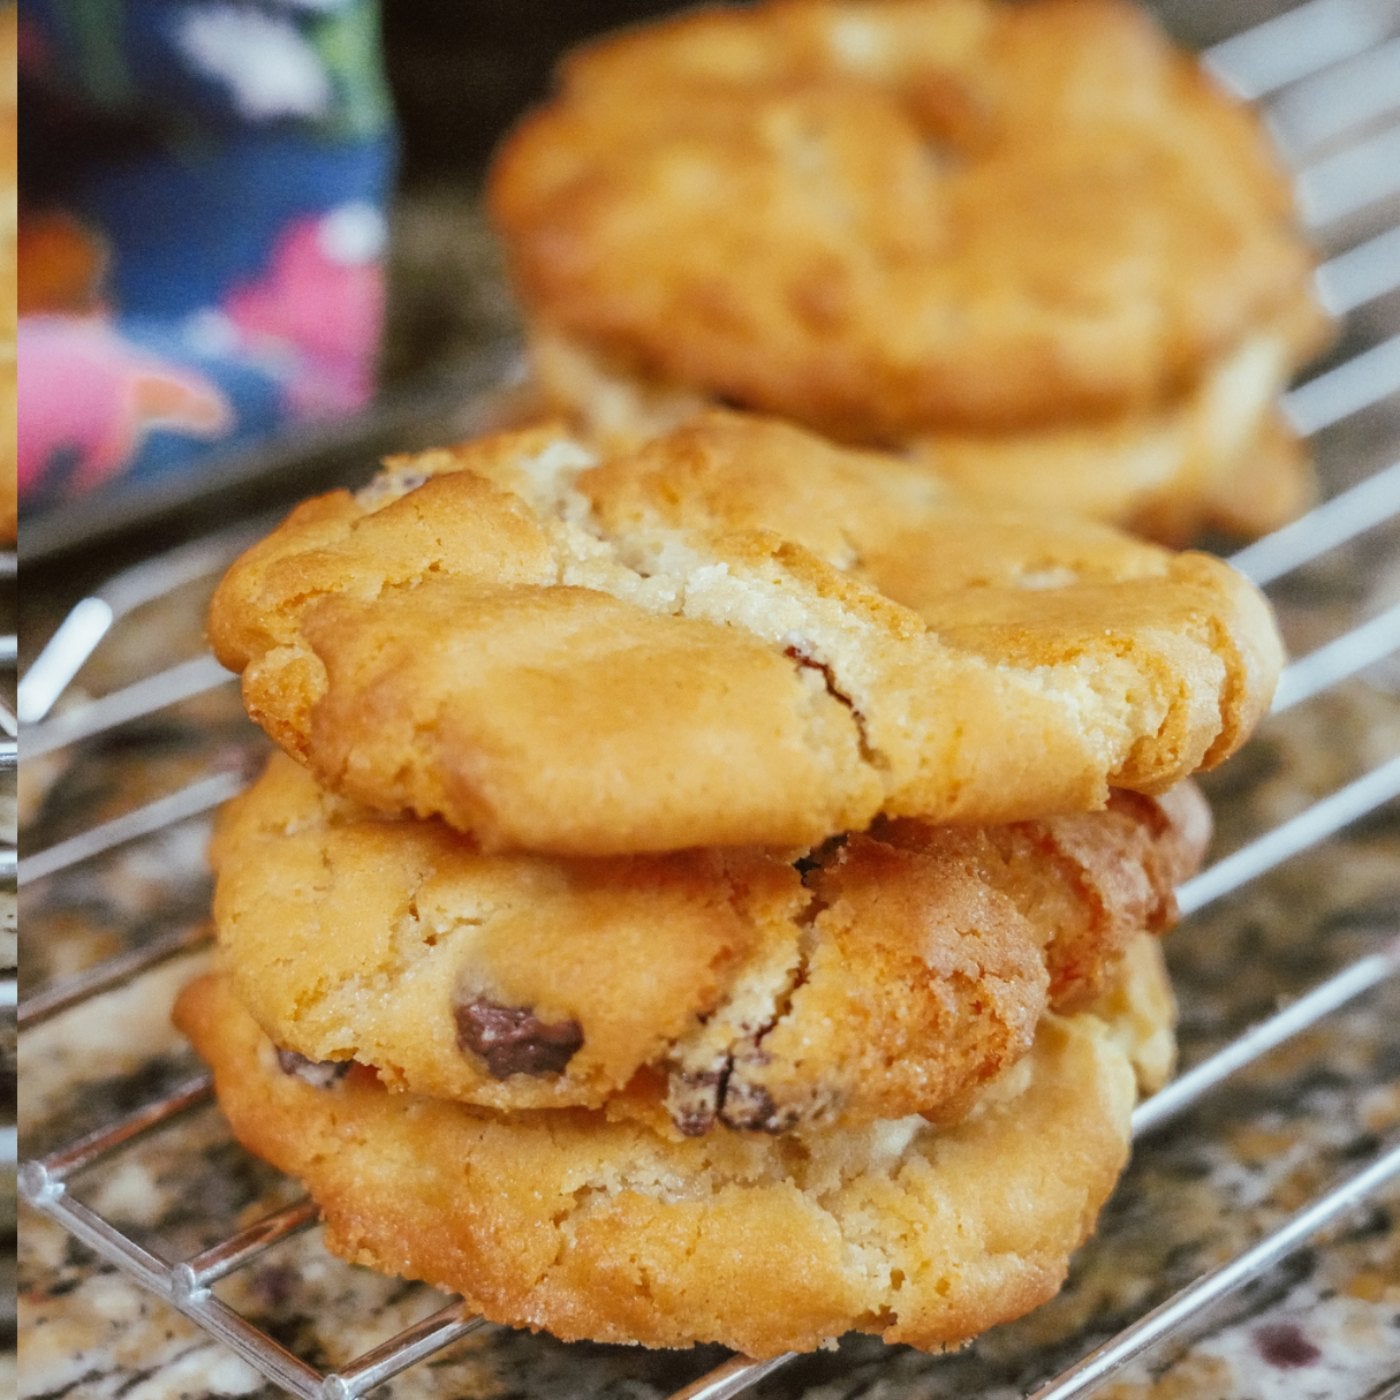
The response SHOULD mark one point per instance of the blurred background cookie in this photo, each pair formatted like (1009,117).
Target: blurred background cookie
(1031,245)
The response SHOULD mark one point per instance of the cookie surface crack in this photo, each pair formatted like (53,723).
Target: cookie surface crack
(745,1103)
(728,1089)
(659,569)
(807,662)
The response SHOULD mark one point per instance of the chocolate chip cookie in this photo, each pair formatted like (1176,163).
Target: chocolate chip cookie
(573,654)
(880,974)
(601,1227)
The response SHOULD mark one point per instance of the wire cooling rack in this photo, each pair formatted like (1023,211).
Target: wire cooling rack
(9,861)
(9,723)
(1328,75)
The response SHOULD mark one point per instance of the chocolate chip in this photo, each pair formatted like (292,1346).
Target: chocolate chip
(320,1074)
(513,1040)
(750,1107)
(698,1099)
(692,1099)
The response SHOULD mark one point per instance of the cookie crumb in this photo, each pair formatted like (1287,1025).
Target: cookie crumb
(320,1074)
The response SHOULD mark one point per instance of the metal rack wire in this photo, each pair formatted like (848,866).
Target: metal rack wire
(1328,73)
(9,861)
(9,656)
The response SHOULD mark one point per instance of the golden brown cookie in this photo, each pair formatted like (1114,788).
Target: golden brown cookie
(737,636)
(1221,457)
(879,975)
(999,235)
(595,1228)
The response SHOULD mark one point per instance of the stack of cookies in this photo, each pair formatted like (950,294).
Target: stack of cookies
(708,893)
(1032,246)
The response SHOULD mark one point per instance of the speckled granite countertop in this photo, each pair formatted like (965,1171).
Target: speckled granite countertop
(1326,1324)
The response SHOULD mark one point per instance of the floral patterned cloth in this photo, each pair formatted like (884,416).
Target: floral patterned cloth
(203,185)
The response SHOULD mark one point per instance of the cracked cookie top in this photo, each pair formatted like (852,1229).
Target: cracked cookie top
(879,974)
(892,217)
(603,1229)
(737,635)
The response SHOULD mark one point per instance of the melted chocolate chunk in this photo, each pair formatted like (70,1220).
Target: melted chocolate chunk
(698,1099)
(692,1099)
(751,1107)
(513,1040)
(320,1074)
